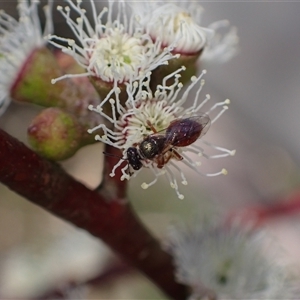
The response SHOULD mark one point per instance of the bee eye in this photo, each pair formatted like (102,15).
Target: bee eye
(134,159)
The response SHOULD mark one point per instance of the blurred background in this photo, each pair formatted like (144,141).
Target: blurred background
(40,253)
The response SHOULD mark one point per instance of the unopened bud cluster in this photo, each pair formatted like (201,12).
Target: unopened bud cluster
(27,69)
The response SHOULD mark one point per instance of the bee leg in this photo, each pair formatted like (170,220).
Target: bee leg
(160,161)
(151,126)
(175,154)
(167,156)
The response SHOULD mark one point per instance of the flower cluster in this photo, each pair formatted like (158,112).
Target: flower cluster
(18,39)
(122,48)
(229,261)
(148,114)
(141,102)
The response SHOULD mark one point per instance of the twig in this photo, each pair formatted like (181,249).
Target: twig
(260,214)
(47,185)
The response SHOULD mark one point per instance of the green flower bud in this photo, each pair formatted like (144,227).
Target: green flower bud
(33,83)
(56,134)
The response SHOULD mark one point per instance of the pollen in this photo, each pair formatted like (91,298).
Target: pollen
(117,53)
(144,185)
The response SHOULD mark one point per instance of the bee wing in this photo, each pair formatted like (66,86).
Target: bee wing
(203,121)
(185,131)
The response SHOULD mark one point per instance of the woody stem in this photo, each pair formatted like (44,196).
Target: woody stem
(45,184)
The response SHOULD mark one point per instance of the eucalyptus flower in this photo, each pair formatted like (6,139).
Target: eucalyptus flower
(150,114)
(111,49)
(229,261)
(18,41)
(181,22)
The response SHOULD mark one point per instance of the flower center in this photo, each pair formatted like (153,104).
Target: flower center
(153,112)
(222,275)
(117,54)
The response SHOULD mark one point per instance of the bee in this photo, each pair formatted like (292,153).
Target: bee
(161,146)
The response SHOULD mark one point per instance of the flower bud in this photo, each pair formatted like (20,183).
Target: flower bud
(33,85)
(56,134)
(33,82)
(19,40)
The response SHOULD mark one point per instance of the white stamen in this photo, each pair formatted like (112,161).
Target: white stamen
(18,39)
(229,261)
(112,50)
(160,108)
(171,24)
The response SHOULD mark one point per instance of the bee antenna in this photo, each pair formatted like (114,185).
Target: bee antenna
(112,155)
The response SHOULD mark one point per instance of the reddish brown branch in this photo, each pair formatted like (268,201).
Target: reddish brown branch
(260,214)
(112,187)
(47,185)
